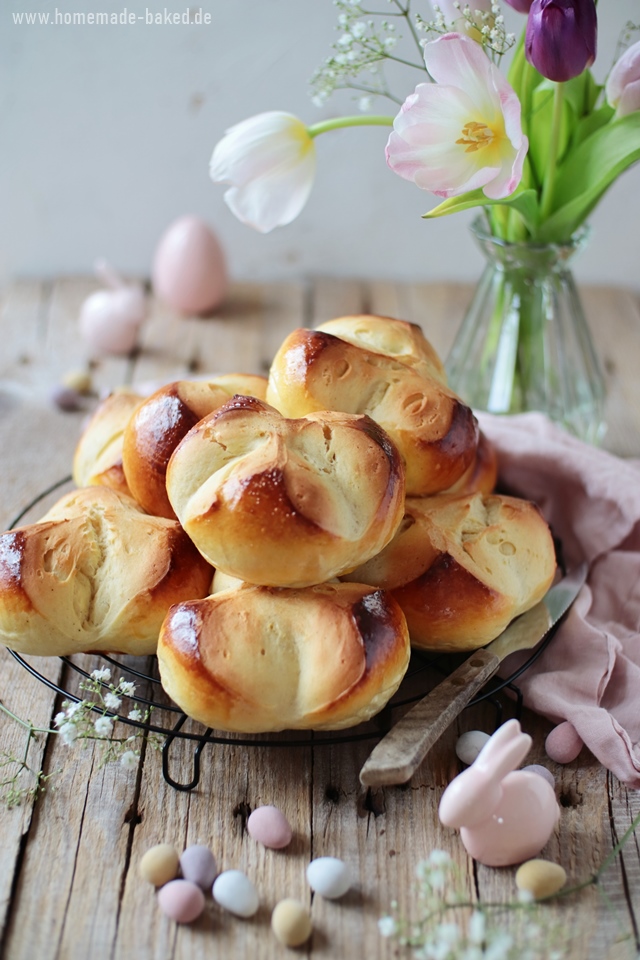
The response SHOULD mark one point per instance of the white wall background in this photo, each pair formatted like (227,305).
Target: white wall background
(106,134)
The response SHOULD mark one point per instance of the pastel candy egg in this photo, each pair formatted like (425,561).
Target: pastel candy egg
(470,744)
(291,923)
(110,319)
(329,877)
(235,892)
(563,743)
(65,398)
(541,771)
(78,380)
(181,900)
(541,878)
(270,827)
(198,865)
(159,864)
(189,271)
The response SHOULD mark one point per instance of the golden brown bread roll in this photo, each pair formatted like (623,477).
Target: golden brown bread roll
(98,456)
(286,503)
(257,659)
(436,434)
(159,424)
(95,573)
(462,567)
(482,475)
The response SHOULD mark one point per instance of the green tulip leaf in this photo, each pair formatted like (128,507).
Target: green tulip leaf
(540,126)
(588,172)
(524,201)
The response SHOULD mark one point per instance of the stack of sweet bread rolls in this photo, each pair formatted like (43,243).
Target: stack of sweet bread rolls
(282,542)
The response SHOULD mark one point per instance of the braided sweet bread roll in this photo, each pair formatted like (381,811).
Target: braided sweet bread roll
(462,567)
(255,659)
(98,456)
(286,503)
(386,369)
(162,420)
(95,573)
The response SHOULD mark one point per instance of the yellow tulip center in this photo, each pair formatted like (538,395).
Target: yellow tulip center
(475,136)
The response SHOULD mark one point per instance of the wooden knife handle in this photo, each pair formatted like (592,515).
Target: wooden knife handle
(401,751)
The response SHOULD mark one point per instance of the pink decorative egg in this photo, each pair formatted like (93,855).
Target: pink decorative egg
(181,900)
(270,827)
(189,270)
(110,320)
(563,743)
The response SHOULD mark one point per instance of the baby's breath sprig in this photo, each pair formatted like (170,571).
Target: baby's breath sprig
(487,27)
(79,721)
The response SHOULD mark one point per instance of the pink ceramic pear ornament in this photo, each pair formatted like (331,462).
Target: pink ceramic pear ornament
(189,270)
(110,319)
(504,815)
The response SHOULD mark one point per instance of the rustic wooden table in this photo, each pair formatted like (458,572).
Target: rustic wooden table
(69,884)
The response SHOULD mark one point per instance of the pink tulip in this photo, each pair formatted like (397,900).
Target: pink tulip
(462,132)
(270,162)
(623,84)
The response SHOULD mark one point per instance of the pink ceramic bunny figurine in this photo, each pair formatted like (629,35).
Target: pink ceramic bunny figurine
(504,815)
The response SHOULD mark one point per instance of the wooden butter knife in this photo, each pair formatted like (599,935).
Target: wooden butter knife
(401,751)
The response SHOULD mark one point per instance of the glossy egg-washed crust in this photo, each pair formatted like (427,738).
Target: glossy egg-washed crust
(259,659)
(286,502)
(160,423)
(435,432)
(95,574)
(462,567)
(98,456)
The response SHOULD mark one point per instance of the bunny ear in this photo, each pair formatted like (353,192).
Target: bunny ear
(505,750)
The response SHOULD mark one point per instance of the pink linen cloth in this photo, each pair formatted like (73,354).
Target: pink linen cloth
(590,672)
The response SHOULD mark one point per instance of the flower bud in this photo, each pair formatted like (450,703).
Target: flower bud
(522,6)
(560,41)
(623,83)
(480,12)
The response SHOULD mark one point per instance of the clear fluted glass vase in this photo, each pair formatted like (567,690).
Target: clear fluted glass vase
(524,343)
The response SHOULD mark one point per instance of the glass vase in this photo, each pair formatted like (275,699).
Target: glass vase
(524,343)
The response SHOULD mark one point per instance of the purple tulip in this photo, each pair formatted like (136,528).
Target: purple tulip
(561,37)
(522,6)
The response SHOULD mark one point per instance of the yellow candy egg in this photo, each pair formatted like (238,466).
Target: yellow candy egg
(160,864)
(291,923)
(541,878)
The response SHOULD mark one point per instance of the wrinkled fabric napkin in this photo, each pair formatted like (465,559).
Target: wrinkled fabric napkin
(590,672)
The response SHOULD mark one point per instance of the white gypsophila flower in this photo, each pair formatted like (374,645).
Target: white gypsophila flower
(525,896)
(60,718)
(135,714)
(72,709)
(477,927)
(364,104)
(499,947)
(129,760)
(472,953)
(103,726)
(439,858)
(112,701)
(68,733)
(103,674)
(387,926)
(437,879)
(126,687)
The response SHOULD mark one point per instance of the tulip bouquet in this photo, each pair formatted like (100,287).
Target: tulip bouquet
(535,146)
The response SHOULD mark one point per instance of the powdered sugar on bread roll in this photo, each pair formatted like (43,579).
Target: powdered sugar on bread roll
(95,573)
(256,659)
(286,502)
(462,567)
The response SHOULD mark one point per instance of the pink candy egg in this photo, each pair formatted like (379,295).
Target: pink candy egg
(563,743)
(189,270)
(110,320)
(270,827)
(541,771)
(181,900)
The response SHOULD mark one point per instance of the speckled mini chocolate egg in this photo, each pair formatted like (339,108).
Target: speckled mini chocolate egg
(469,745)
(563,743)
(236,893)
(269,826)
(540,878)
(329,876)
(160,864)
(198,864)
(291,923)
(181,900)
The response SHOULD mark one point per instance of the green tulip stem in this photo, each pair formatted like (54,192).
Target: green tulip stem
(360,120)
(546,200)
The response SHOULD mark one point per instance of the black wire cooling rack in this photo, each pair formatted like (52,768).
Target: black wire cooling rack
(424,672)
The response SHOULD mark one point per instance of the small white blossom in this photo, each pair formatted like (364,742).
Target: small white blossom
(135,714)
(439,858)
(387,926)
(68,733)
(129,760)
(359,29)
(111,701)
(60,718)
(103,674)
(126,688)
(72,709)
(477,927)
(525,896)
(499,947)
(103,726)
(364,104)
